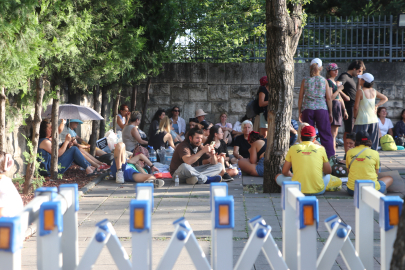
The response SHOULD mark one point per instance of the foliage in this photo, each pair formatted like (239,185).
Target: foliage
(38,179)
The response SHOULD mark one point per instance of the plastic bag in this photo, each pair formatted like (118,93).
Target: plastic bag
(335,184)
(111,139)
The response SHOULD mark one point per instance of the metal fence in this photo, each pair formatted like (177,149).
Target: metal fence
(373,38)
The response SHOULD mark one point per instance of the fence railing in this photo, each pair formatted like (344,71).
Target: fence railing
(372,38)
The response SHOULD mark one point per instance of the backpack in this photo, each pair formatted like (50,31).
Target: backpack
(388,143)
(338,169)
(400,141)
(252,108)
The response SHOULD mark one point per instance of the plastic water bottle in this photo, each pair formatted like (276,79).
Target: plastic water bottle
(169,155)
(119,136)
(176,181)
(152,156)
(239,173)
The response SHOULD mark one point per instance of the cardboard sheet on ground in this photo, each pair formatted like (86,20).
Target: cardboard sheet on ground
(398,185)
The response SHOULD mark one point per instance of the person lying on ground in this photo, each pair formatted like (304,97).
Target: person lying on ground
(130,134)
(194,163)
(237,127)
(129,171)
(11,203)
(309,163)
(226,128)
(162,137)
(241,145)
(65,156)
(84,147)
(122,117)
(364,163)
(216,140)
(255,164)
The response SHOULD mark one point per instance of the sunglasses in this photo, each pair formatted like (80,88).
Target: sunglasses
(176,110)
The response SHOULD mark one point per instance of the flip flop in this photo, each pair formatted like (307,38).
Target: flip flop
(91,174)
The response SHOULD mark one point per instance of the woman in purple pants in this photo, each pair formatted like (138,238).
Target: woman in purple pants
(315,105)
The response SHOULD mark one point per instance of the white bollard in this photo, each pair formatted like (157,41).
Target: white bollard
(70,236)
(10,243)
(140,228)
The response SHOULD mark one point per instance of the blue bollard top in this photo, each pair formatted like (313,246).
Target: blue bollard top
(52,190)
(387,202)
(15,237)
(56,207)
(357,184)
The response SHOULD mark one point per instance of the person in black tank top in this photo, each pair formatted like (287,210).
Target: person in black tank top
(255,164)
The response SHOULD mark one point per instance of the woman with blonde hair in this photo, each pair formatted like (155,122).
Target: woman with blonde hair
(315,105)
(226,128)
(162,137)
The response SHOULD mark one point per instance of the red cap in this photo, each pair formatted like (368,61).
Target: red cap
(308,131)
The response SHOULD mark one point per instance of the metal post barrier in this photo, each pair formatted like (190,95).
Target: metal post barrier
(300,222)
(367,200)
(10,243)
(105,236)
(260,239)
(183,236)
(140,211)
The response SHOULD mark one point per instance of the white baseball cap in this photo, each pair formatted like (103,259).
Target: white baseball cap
(317,61)
(367,77)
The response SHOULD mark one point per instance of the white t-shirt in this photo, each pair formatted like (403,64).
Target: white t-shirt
(10,200)
(384,128)
(237,127)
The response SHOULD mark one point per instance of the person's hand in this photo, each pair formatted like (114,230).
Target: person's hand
(68,137)
(154,169)
(212,151)
(346,116)
(330,117)
(300,118)
(70,144)
(375,109)
(86,146)
(207,148)
(222,155)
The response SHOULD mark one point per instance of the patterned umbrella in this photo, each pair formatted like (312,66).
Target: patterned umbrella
(72,111)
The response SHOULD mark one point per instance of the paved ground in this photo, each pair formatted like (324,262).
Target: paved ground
(110,200)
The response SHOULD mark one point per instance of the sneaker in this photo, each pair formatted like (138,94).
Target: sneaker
(192,180)
(227,178)
(119,177)
(157,183)
(213,179)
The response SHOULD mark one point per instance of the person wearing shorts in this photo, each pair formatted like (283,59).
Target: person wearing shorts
(365,165)
(263,96)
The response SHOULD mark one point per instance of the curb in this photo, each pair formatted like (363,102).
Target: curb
(33,227)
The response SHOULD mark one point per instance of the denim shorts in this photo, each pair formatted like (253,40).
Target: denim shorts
(260,167)
(263,122)
(383,189)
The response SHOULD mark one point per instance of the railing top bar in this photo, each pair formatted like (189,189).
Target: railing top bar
(371,197)
(293,194)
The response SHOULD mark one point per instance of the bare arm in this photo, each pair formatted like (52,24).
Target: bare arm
(236,152)
(357,103)
(381,97)
(286,168)
(327,169)
(391,132)
(47,146)
(253,153)
(301,97)
(344,96)
(119,122)
(135,134)
(61,126)
(190,159)
(328,94)
(168,137)
(262,103)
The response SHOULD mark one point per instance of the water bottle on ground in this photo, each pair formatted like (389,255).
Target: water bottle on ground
(152,155)
(239,173)
(169,155)
(176,181)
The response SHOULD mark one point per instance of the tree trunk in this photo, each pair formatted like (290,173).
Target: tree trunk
(115,110)
(3,119)
(283,32)
(55,133)
(133,97)
(35,133)
(104,104)
(398,256)
(95,126)
(145,104)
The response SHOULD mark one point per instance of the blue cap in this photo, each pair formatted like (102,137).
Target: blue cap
(76,121)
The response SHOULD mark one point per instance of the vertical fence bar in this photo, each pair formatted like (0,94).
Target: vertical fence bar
(390,58)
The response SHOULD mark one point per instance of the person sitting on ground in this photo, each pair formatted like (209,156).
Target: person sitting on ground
(176,137)
(11,203)
(350,142)
(179,125)
(241,144)
(65,157)
(194,163)
(162,138)
(206,130)
(130,134)
(128,170)
(301,126)
(237,127)
(84,147)
(216,136)
(385,124)
(154,125)
(309,163)
(122,117)
(364,163)
(226,128)
(255,164)
(399,130)
(200,115)
(293,131)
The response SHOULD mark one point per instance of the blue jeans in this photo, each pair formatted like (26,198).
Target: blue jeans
(260,167)
(70,155)
(383,189)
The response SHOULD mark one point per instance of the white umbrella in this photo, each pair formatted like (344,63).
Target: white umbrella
(72,111)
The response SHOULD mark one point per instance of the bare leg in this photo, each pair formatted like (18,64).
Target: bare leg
(100,152)
(141,157)
(222,160)
(93,161)
(234,160)
(119,155)
(228,137)
(388,180)
(247,167)
(263,132)
(140,178)
(334,130)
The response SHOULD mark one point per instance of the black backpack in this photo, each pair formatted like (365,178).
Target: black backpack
(252,108)
(400,141)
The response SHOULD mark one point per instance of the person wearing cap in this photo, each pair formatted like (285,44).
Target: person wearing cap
(263,98)
(364,163)
(200,115)
(338,106)
(309,163)
(315,105)
(365,108)
(355,68)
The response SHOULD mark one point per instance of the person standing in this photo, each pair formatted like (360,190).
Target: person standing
(263,96)
(355,68)
(365,109)
(122,117)
(315,105)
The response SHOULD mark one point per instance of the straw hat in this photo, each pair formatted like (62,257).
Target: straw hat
(199,112)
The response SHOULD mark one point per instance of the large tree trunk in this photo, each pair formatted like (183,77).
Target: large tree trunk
(283,32)
(133,97)
(104,104)
(3,119)
(145,104)
(95,127)
(35,133)
(115,110)
(55,133)
(398,256)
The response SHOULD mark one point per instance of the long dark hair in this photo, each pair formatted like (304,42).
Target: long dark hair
(42,129)
(368,143)
(213,130)
(401,117)
(157,114)
(171,111)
